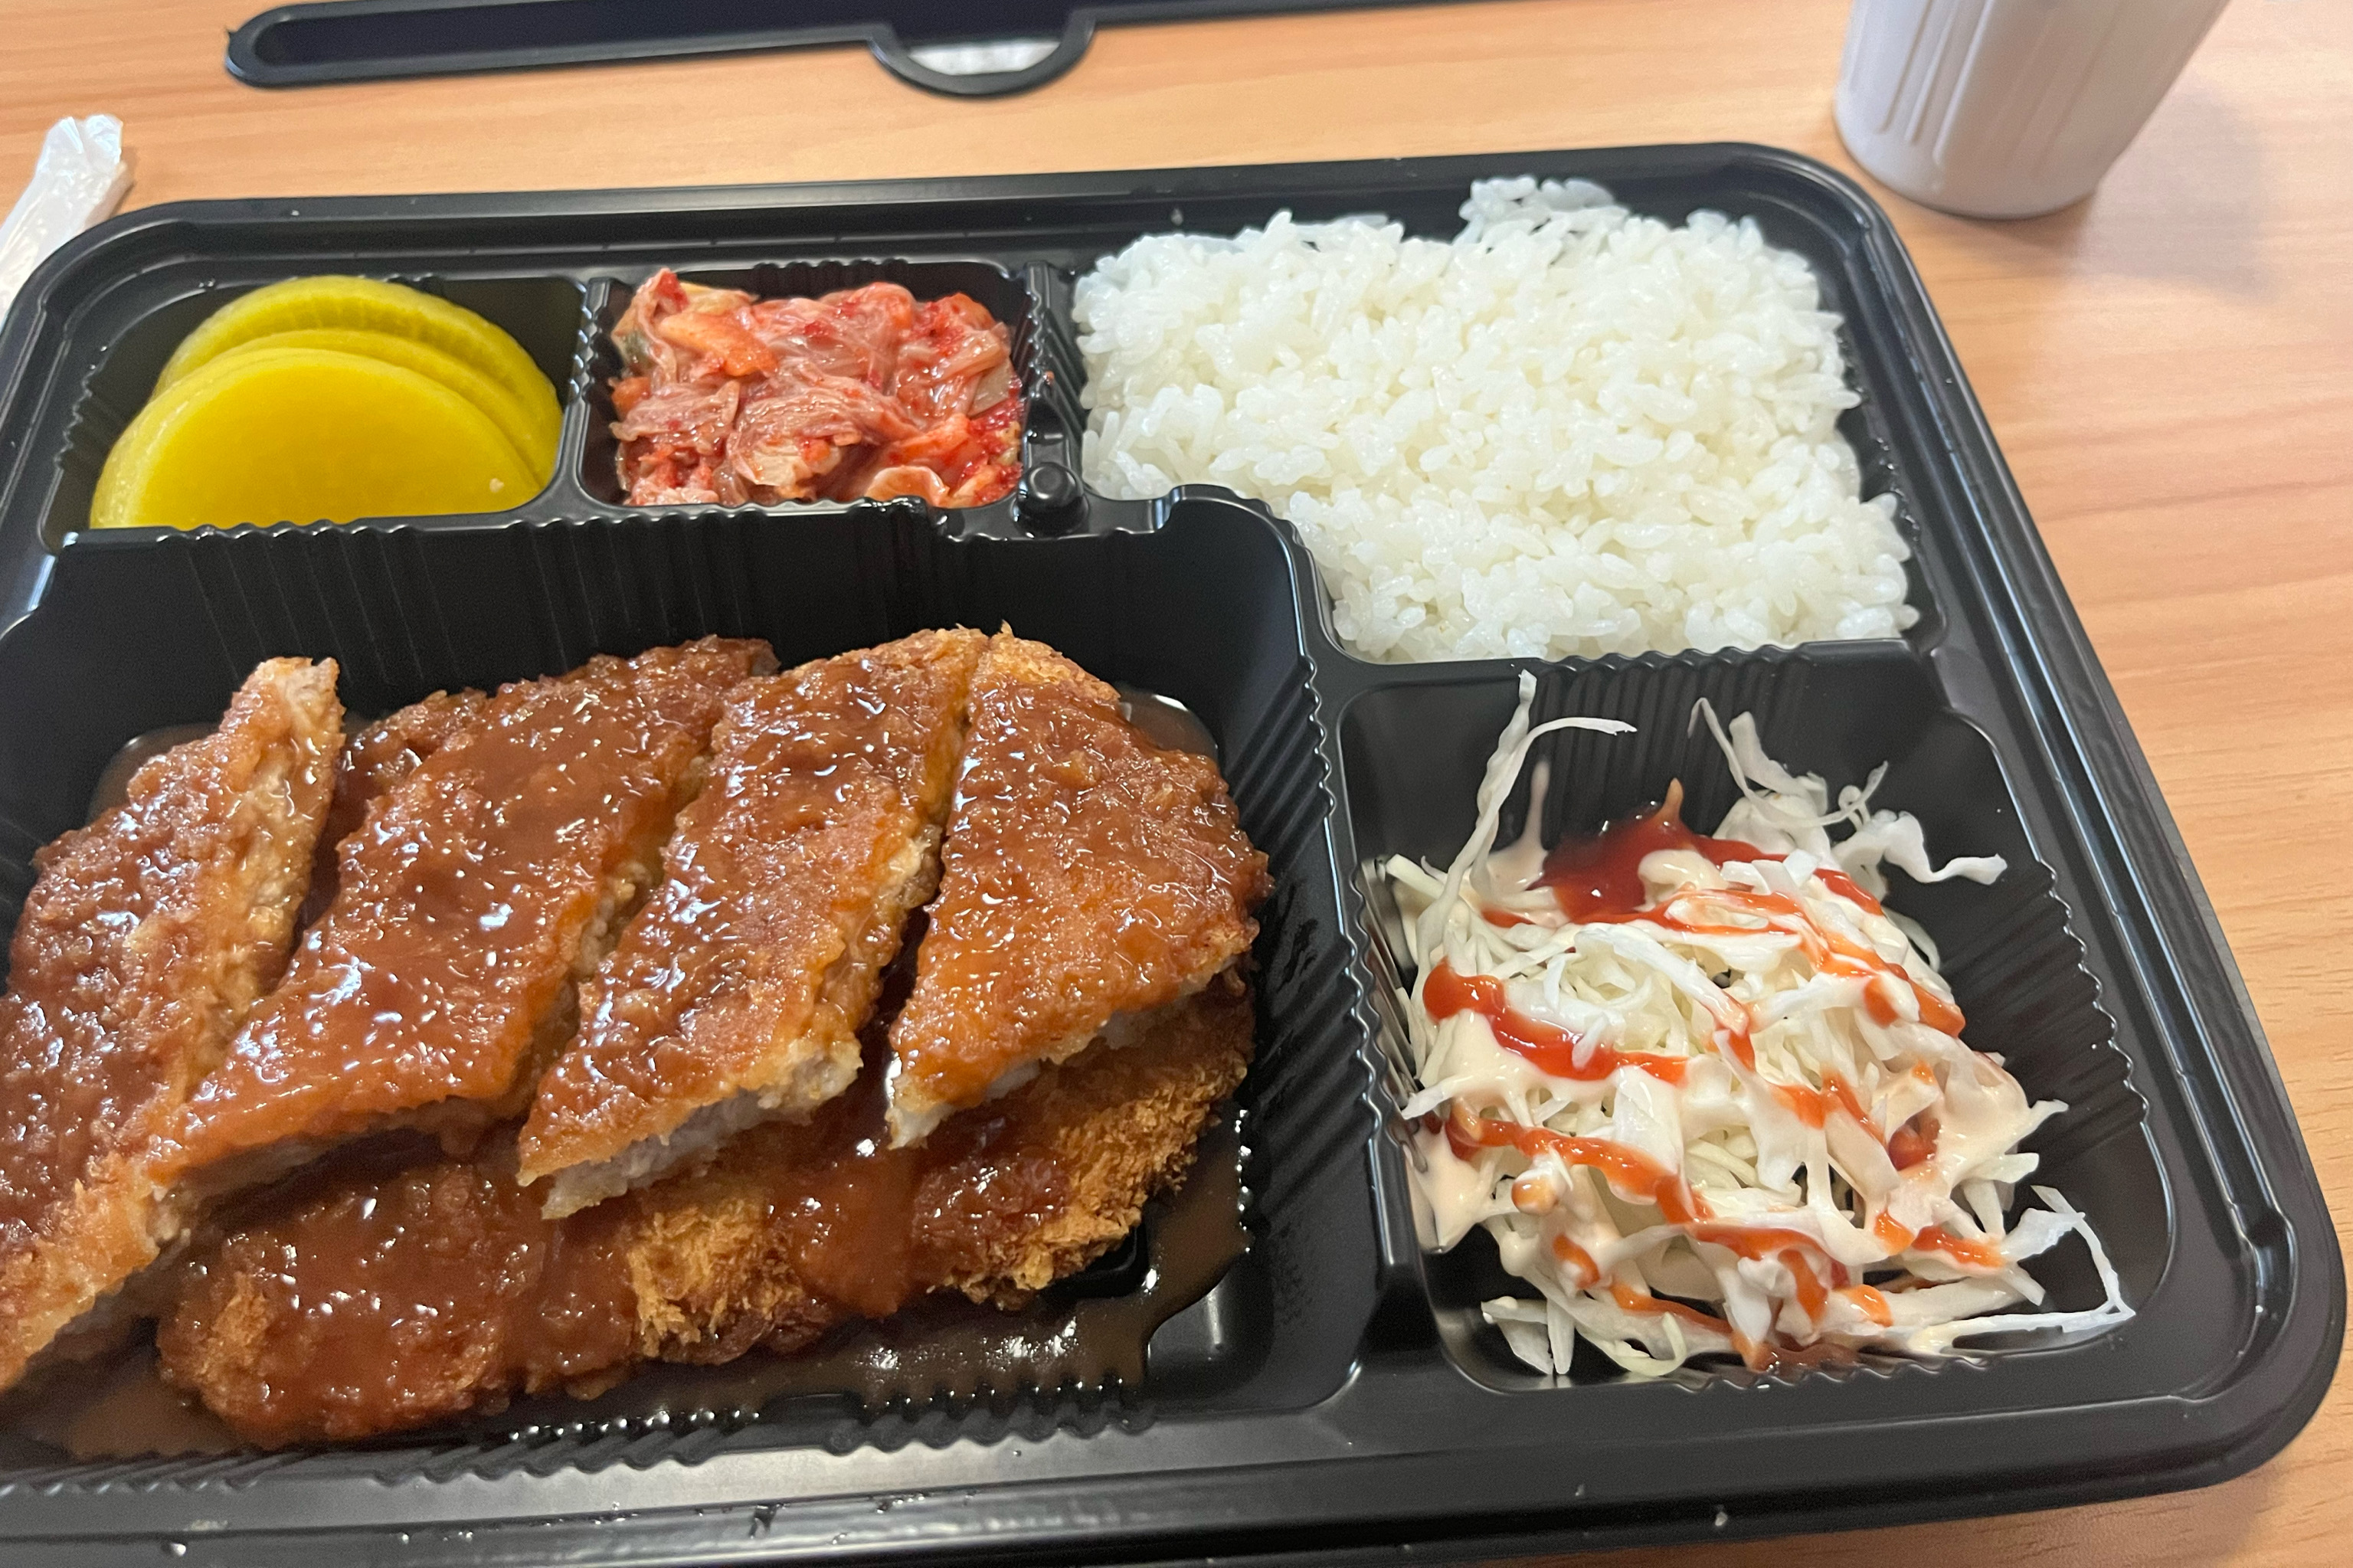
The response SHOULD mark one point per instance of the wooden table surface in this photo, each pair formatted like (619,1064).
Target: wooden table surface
(2168,367)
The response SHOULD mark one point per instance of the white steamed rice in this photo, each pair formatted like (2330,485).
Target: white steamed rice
(1570,431)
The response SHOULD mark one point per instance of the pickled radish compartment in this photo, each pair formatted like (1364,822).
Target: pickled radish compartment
(330,398)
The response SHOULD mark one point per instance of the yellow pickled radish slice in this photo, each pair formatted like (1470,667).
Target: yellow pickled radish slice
(305,434)
(534,443)
(370,304)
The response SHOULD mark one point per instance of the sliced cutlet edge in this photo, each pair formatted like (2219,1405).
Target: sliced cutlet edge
(1089,879)
(736,993)
(376,756)
(700,1267)
(213,852)
(399,1011)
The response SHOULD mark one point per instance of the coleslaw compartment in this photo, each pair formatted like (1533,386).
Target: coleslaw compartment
(1413,756)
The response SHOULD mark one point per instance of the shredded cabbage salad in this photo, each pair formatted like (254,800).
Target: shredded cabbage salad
(1706,1094)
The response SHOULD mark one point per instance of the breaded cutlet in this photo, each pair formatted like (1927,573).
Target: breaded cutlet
(1088,878)
(471,901)
(378,1304)
(143,945)
(375,757)
(736,994)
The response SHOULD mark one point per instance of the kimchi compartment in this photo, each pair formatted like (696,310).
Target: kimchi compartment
(1413,756)
(1009,297)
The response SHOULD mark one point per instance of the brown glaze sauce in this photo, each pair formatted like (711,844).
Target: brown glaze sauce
(114,779)
(464,898)
(373,1303)
(375,759)
(941,1345)
(462,1258)
(944,1344)
(1080,850)
(351,1303)
(818,778)
(402,1300)
(140,941)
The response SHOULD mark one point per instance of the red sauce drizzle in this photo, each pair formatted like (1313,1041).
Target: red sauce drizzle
(1763,1240)
(1914,1141)
(1842,884)
(1794,1248)
(1553,1049)
(1598,879)
(1633,1300)
(1967,1251)
(1589,1272)
(1632,1175)
(1871,1303)
(1811,1296)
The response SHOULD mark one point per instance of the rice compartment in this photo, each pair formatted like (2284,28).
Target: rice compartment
(1571,430)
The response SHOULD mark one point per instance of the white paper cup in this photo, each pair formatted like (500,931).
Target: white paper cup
(2007,108)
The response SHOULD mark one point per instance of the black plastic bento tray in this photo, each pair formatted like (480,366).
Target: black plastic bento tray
(1334,1398)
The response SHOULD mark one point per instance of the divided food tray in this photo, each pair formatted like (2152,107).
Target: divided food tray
(1335,1394)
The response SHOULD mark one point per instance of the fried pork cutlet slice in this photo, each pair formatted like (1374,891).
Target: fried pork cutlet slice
(384,1303)
(376,759)
(142,947)
(1088,878)
(736,994)
(471,901)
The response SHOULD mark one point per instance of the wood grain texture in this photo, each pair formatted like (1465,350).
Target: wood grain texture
(2168,367)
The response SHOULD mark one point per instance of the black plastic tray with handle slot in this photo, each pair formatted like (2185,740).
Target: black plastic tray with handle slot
(1335,1396)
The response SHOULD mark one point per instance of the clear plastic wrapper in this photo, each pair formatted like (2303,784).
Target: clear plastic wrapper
(78,178)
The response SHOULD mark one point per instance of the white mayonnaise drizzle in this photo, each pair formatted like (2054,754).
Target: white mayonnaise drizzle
(1746,1089)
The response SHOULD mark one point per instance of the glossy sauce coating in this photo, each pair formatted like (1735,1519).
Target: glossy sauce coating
(129,910)
(783,895)
(147,937)
(456,935)
(343,1307)
(1086,873)
(375,759)
(384,1297)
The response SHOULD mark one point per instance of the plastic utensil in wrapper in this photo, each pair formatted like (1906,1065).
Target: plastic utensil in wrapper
(78,178)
